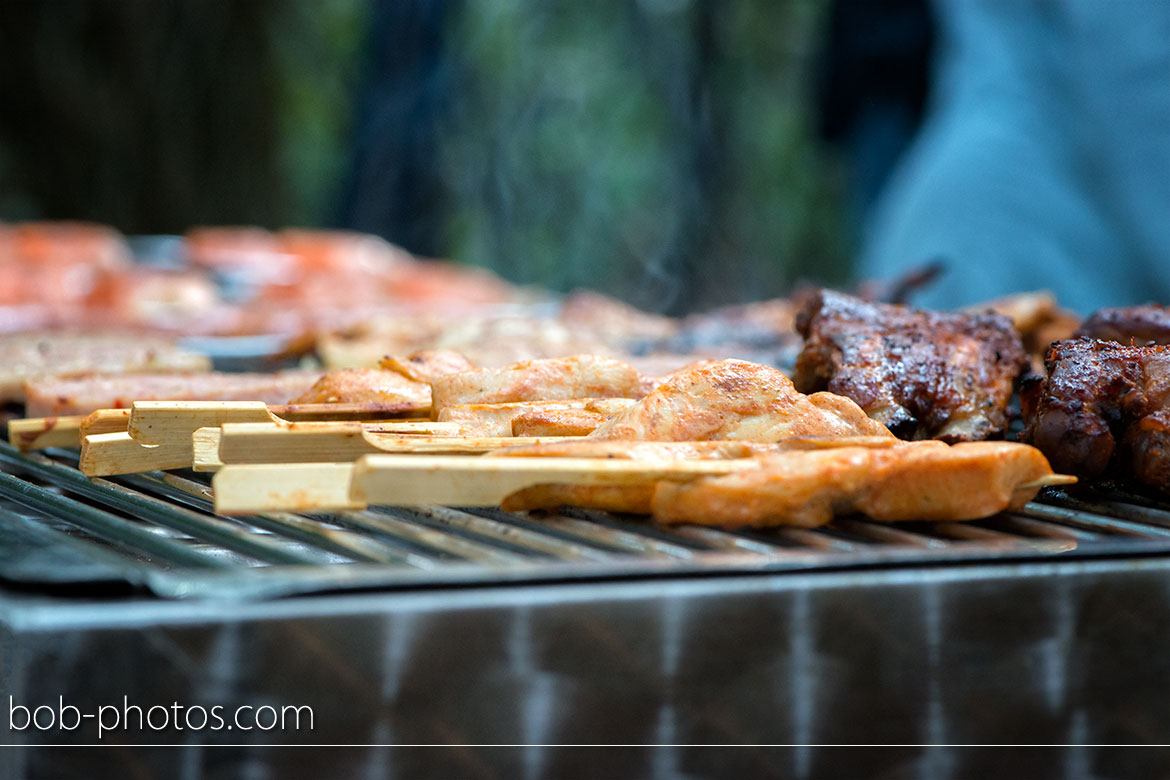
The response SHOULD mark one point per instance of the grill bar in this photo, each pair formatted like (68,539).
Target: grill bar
(165,523)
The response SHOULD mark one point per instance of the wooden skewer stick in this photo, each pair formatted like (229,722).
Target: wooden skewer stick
(1048,480)
(162,430)
(418,480)
(248,489)
(338,441)
(38,433)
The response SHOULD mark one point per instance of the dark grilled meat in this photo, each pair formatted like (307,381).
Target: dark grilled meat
(1103,410)
(923,374)
(1129,325)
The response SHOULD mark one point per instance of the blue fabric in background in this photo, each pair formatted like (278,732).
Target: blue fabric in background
(1044,162)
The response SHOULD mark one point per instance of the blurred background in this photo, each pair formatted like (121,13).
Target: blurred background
(678,154)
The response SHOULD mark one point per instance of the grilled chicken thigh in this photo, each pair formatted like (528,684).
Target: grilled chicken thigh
(735,399)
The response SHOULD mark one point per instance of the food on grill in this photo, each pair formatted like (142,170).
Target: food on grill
(1036,317)
(923,374)
(366,385)
(634,498)
(55,396)
(1103,410)
(427,365)
(735,399)
(498,419)
(922,480)
(1129,325)
(558,422)
(29,356)
(580,376)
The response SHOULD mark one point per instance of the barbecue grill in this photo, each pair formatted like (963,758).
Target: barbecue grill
(444,625)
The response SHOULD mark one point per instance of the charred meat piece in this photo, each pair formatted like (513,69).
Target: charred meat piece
(1129,325)
(922,374)
(736,399)
(1103,410)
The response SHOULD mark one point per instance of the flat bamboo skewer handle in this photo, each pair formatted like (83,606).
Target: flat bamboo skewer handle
(337,441)
(158,434)
(38,433)
(414,480)
(249,489)
(420,480)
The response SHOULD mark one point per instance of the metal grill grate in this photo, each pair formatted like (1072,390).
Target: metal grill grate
(157,531)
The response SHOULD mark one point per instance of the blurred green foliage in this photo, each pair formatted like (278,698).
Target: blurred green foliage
(661,150)
(658,150)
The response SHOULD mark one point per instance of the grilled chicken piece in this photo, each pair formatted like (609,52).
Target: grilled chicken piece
(367,385)
(923,374)
(26,357)
(923,480)
(55,396)
(735,399)
(569,422)
(581,376)
(1103,410)
(498,419)
(1129,325)
(637,498)
(427,365)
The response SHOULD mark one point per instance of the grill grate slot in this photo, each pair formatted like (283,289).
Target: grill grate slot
(164,524)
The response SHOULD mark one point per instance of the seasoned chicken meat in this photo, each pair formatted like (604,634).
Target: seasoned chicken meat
(1103,410)
(735,399)
(427,365)
(581,376)
(568,422)
(915,481)
(923,374)
(367,385)
(499,419)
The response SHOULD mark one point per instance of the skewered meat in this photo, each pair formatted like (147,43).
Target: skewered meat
(916,481)
(28,356)
(569,422)
(923,374)
(54,396)
(427,365)
(1129,325)
(1103,409)
(366,385)
(498,419)
(734,399)
(581,376)
(637,498)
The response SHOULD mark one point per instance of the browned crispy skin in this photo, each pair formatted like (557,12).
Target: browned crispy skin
(556,422)
(366,385)
(636,498)
(1104,409)
(923,480)
(1129,325)
(735,399)
(580,376)
(923,374)
(497,419)
(427,365)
